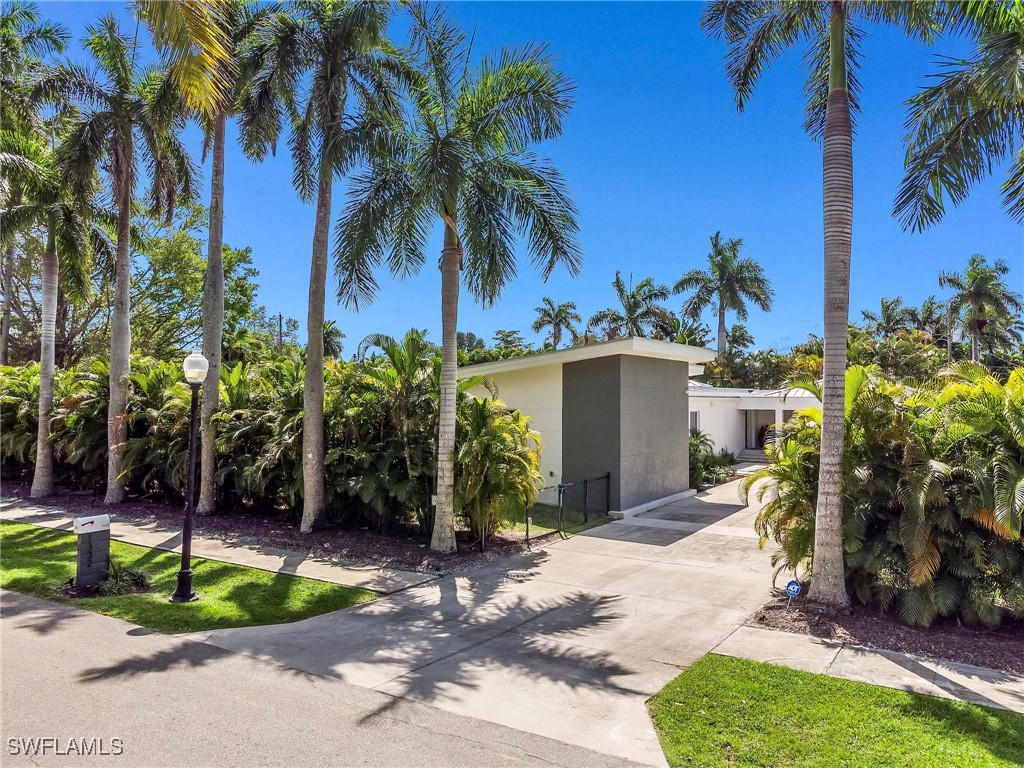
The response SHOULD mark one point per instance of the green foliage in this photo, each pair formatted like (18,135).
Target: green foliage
(706,466)
(123,580)
(932,493)
(497,475)
(733,713)
(380,424)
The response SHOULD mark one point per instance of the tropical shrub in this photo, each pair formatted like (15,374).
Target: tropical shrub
(380,422)
(933,493)
(706,466)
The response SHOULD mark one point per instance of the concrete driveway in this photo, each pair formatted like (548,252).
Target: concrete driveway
(568,642)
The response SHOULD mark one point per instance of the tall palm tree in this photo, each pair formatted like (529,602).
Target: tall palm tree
(204,47)
(730,279)
(969,121)
(24,41)
(891,318)
(559,318)
(639,312)
(461,159)
(71,233)
(319,62)
(830,33)
(980,297)
(126,114)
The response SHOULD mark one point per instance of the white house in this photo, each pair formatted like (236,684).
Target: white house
(625,408)
(617,407)
(737,419)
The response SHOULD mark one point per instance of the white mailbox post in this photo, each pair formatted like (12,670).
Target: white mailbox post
(93,550)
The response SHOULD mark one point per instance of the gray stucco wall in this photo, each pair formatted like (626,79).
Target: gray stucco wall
(628,415)
(591,424)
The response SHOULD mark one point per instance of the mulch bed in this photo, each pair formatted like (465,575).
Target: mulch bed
(945,640)
(404,550)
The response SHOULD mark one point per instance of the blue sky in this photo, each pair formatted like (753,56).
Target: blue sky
(658,159)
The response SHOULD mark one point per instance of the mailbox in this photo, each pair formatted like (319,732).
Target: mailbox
(93,550)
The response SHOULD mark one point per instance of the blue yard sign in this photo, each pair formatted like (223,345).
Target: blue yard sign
(793,588)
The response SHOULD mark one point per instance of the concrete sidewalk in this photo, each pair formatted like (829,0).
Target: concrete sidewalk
(295,562)
(944,679)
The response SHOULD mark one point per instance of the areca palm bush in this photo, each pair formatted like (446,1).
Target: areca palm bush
(639,312)
(126,118)
(459,159)
(729,283)
(932,524)
(497,475)
(830,35)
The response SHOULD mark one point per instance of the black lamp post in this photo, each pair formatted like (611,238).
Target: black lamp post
(195,367)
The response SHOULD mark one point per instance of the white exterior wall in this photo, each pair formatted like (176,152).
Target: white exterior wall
(722,420)
(537,392)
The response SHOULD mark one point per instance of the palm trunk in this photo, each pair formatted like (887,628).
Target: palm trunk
(313,392)
(42,479)
(975,343)
(721,332)
(5,324)
(443,538)
(213,324)
(828,577)
(120,338)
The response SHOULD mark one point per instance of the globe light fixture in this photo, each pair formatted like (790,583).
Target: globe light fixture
(195,367)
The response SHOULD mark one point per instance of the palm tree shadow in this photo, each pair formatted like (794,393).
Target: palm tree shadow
(434,643)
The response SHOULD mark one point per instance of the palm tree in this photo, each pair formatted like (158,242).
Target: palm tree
(70,235)
(891,318)
(980,297)
(199,44)
(24,40)
(830,32)
(404,384)
(639,312)
(558,317)
(462,159)
(333,340)
(204,46)
(730,279)
(126,115)
(310,60)
(930,317)
(969,121)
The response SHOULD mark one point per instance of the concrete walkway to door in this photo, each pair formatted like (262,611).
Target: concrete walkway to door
(568,642)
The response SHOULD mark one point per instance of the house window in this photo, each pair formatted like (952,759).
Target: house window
(694,419)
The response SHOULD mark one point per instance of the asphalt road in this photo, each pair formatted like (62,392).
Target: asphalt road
(68,674)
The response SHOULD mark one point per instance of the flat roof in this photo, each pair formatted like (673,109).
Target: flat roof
(703,389)
(632,345)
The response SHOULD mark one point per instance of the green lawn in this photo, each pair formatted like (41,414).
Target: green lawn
(37,560)
(544,520)
(731,712)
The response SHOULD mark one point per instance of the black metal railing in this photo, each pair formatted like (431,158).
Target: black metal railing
(568,507)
